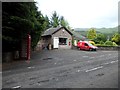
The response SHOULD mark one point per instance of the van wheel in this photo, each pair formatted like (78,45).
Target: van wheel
(95,50)
(91,49)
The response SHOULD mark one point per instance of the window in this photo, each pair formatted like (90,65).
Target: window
(62,41)
(86,44)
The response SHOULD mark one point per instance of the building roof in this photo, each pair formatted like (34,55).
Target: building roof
(51,31)
(78,36)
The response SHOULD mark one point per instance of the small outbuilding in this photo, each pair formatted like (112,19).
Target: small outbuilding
(58,38)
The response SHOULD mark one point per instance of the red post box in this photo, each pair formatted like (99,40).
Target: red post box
(28,46)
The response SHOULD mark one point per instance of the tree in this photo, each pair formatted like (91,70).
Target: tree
(16,23)
(63,22)
(47,22)
(109,43)
(116,38)
(55,19)
(20,19)
(100,38)
(91,34)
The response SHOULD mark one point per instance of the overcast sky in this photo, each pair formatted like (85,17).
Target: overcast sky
(83,13)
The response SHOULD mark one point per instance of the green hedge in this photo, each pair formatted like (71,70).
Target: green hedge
(104,45)
(107,43)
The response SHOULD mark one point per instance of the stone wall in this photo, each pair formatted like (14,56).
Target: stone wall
(103,48)
(108,47)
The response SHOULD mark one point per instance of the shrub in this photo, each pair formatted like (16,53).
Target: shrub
(114,44)
(101,42)
(109,43)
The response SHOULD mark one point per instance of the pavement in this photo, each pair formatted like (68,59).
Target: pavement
(64,69)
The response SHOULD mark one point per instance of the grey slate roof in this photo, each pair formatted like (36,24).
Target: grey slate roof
(51,31)
(78,36)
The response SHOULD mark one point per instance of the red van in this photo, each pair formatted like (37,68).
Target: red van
(85,45)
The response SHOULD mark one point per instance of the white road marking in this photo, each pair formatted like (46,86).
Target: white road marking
(17,87)
(30,67)
(114,61)
(105,63)
(55,63)
(109,54)
(78,70)
(91,57)
(74,60)
(84,56)
(94,69)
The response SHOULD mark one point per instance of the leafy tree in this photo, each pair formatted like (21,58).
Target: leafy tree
(55,19)
(20,19)
(108,43)
(15,23)
(47,22)
(39,26)
(91,34)
(116,38)
(63,22)
(100,38)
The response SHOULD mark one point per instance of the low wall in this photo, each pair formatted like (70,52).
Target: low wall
(103,47)
(10,56)
(108,47)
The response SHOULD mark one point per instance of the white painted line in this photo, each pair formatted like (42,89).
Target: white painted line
(106,63)
(55,63)
(84,56)
(78,70)
(94,69)
(91,57)
(17,87)
(74,60)
(109,54)
(114,61)
(30,67)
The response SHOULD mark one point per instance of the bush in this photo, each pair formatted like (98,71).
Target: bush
(101,42)
(100,45)
(114,44)
(109,43)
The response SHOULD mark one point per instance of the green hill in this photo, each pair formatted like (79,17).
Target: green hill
(106,31)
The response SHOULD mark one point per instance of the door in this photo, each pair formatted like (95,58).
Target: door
(55,42)
(86,46)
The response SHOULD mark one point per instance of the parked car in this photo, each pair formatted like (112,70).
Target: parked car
(85,45)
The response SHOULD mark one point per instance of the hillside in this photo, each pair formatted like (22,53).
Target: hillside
(106,31)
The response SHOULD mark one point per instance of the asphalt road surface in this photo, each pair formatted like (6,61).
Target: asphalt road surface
(64,69)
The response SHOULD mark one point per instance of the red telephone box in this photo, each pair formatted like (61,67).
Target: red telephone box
(28,46)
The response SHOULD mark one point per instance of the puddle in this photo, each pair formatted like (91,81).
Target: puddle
(47,58)
(101,74)
(43,81)
(32,78)
(77,67)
